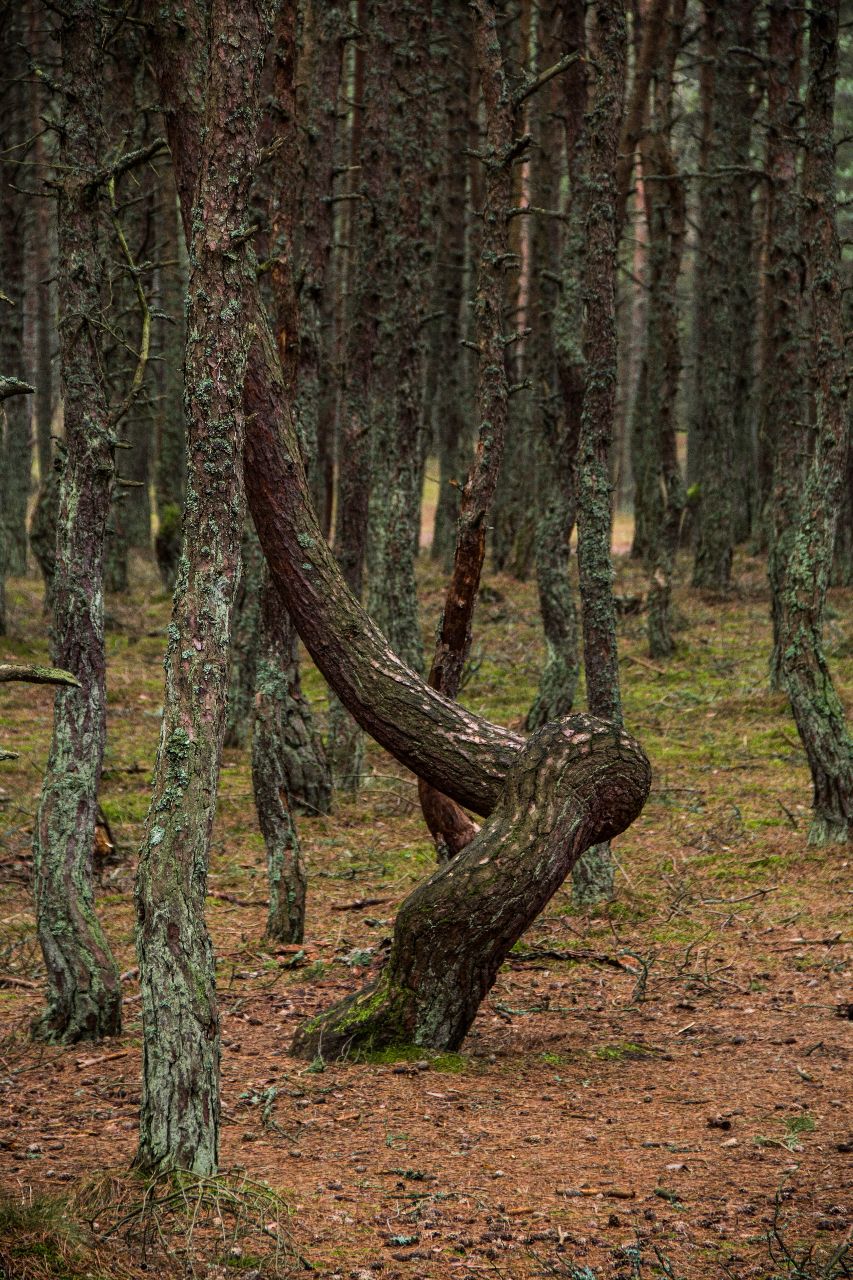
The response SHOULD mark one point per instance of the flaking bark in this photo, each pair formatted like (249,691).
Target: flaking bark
(179,1123)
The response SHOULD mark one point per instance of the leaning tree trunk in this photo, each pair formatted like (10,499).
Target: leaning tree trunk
(179,1123)
(804,575)
(593,876)
(84,991)
(453,933)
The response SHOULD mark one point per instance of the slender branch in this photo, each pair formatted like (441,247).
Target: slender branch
(533,86)
(14,387)
(36,674)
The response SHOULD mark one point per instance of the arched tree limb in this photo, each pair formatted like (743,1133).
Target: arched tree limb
(577,782)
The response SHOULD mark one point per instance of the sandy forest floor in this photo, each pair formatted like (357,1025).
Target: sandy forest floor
(674,1099)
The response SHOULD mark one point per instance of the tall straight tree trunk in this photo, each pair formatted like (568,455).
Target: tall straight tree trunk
(321,30)
(450,827)
(42,261)
(288,763)
(452,411)
(561,383)
(270,781)
(84,991)
(358,343)
(783,426)
(171,467)
(179,1123)
(405,255)
(806,558)
(721,412)
(593,875)
(665,204)
(16,410)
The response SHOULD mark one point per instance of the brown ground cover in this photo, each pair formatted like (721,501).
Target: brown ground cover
(661,1087)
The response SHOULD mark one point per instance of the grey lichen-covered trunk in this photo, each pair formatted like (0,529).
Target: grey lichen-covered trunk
(84,991)
(559,363)
(288,766)
(245,640)
(592,879)
(721,415)
(804,561)
(179,1123)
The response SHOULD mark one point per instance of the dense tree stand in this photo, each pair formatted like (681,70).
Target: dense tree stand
(575,783)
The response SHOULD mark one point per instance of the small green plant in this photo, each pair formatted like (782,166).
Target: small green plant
(624,1050)
(795,1126)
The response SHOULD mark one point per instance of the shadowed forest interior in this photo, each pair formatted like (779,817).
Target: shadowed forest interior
(427,495)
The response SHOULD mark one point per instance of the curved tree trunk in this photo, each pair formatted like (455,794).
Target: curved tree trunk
(84,991)
(179,1122)
(461,754)
(576,783)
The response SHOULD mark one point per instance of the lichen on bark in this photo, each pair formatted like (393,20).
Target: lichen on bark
(593,877)
(83,987)
(179,1122)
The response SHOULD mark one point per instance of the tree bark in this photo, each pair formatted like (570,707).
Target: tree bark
(459,753)
(575,783)
(453,411)
(405,247)
(16,410)
(593,875)
(665,204)
(721,409)
(179,1123)
(561,382)
(322,27)
(783,426)
(807,557)
(83,987)
(171,467)
(451,829)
